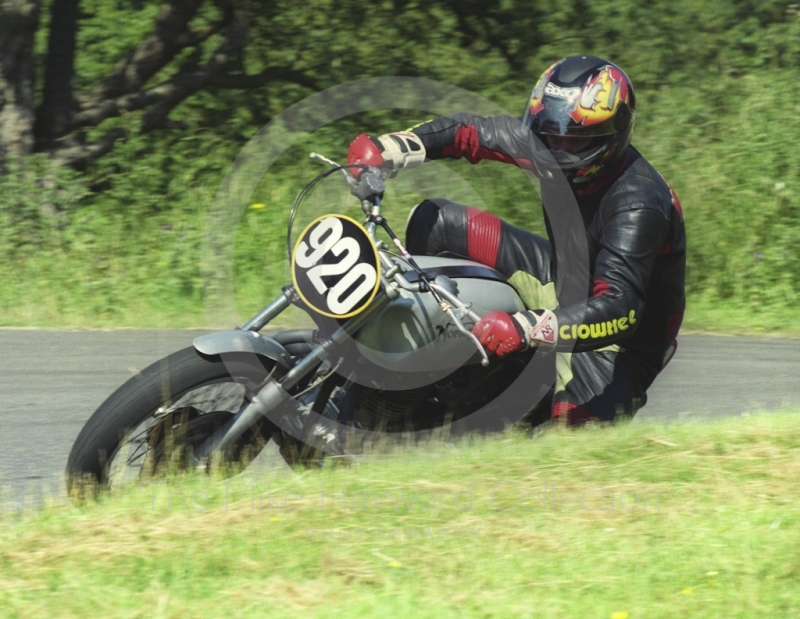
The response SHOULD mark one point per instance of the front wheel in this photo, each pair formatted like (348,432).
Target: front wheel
(154,421)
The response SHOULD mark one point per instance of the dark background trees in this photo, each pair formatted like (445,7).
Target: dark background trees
(69,66)
(19,21)
(101,60)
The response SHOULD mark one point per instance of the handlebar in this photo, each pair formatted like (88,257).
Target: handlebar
(369,188)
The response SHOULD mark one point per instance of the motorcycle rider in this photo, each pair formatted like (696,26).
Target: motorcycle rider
(614,336)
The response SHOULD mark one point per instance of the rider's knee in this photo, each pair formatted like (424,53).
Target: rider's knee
(420,222)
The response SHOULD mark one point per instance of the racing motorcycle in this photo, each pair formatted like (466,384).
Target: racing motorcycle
(391,355)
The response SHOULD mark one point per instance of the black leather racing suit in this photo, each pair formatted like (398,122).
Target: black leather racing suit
(619,330)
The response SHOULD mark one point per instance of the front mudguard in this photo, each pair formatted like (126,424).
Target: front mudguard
(242,341)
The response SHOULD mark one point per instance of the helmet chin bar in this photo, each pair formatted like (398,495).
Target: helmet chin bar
(569,161)
(565,159)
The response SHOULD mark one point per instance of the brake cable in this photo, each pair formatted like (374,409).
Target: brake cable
(304,192)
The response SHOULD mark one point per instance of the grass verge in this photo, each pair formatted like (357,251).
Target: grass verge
(705,315)
(632,521)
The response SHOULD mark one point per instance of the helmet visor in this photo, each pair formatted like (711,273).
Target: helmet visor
(559,117)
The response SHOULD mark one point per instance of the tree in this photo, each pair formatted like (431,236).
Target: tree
(19,20)
(64,115)
(157,56)
(181,31)
(213,45)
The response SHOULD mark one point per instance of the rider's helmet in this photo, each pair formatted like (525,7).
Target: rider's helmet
(587,103)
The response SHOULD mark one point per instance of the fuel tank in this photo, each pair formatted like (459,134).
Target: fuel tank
(413,334)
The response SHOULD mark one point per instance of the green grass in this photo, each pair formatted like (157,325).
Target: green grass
(636,520)
(708,315)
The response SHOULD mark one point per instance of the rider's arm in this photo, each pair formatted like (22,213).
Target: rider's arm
(630,243)
(498,138)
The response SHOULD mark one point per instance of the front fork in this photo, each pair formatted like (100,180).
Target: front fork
(271,311)
(275,393)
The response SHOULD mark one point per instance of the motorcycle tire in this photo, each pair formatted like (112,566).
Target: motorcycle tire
(140,400)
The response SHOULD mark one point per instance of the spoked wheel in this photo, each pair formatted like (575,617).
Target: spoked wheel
(167,442)
(153,422)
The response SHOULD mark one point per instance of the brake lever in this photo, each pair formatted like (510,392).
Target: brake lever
(369,183)
(330,162)
(351,182)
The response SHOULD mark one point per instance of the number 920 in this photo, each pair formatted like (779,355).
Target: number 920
(335,267)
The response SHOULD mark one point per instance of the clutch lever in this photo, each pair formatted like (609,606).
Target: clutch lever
(460,326)
(456,309)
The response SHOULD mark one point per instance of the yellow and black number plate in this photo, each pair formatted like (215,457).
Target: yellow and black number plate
(335,267)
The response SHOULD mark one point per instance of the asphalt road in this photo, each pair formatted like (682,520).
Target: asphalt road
(51,381)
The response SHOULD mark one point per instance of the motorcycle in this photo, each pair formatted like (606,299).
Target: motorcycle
(391,355)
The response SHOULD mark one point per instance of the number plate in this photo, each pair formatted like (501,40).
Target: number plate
(335,267)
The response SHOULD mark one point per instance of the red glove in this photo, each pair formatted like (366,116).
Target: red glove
(504,334)
(391,150)
(364,150)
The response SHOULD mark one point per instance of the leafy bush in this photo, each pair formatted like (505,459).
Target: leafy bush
(122,242)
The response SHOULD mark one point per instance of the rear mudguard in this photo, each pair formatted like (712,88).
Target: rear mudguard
(238,340)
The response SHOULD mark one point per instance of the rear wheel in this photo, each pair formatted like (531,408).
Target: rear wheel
(153,422)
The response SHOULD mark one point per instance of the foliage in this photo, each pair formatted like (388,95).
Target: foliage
(122,240)
(734,169)
(36,201)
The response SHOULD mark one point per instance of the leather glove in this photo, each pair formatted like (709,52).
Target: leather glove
(504,334)
(392,151)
